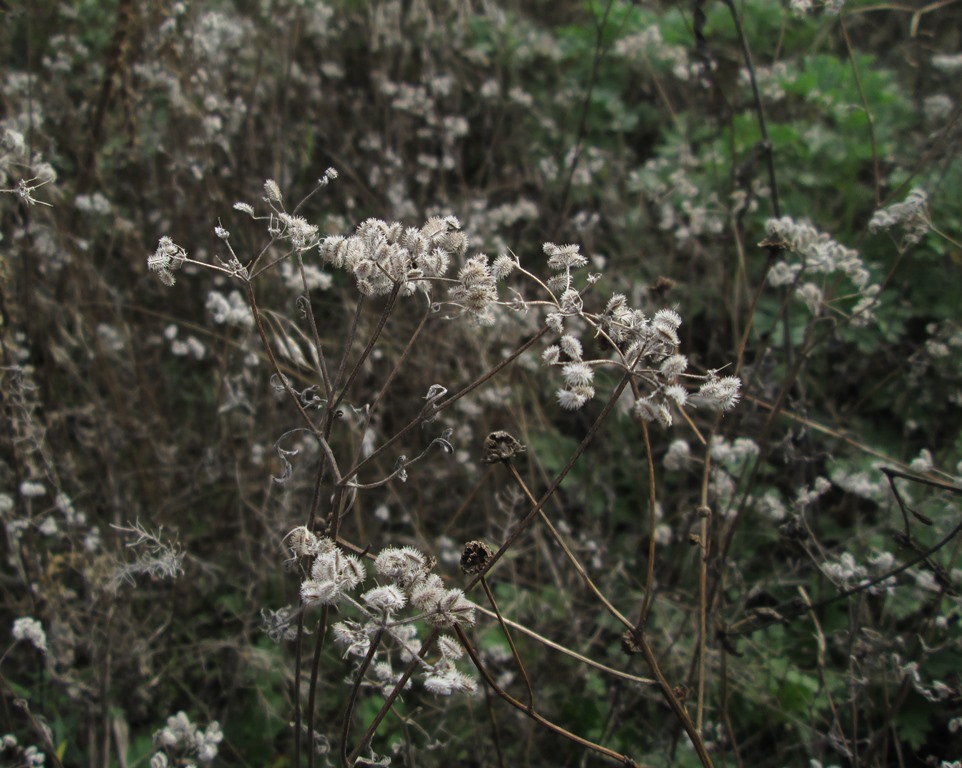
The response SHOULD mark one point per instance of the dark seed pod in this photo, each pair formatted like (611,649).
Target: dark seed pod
(475,556)
(500,446)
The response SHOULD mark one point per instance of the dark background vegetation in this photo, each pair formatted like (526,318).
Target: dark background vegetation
(628,128)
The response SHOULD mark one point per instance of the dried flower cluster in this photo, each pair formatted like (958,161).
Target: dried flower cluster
(802,8)
(30,630)
(167,259)
(29,757)
(382,255)
(647,347)
(911,215)
(181,742)
(408,581)
(816,253)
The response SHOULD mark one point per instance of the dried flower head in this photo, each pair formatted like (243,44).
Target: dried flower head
(571,346)
(501,446)
(572,400)
(384,600)
(427,592)
(279,625)
(451,609)
(403,565)
(168,258)
(912,216)
(446,681)
(272,191)
(475,556)
(382,255)
(303,236)
(503,266)
(304,543)
(31,630)
(718,393)
(353,636)
(449,647)
(333,575)
(651,410)
(564,257)
(577,375)
(476,290)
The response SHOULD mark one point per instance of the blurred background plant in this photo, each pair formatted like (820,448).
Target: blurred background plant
(817,252)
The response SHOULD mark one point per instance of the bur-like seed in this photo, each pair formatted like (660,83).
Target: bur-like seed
(475,556)
(570,400)
(388,599)
(501,446)
(571,346)
(272,191)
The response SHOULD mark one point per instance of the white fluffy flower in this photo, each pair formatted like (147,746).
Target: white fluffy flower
(384,600)
(31,630)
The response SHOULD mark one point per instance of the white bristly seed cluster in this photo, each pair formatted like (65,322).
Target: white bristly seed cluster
(167,259)
(802,8)
(407,584)
(28,757)
(382,255)
(387,257)
(911,216)
(648,347)
(810,253)
(181,742)
(30,630)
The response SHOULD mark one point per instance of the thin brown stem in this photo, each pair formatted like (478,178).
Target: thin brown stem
(529,711)
(399,363)
(597,57)
(369,347)
(796,608)
(414,423)
(316,495)
(821,648)
(521,527)
(726,714)
(787,384)
(401,359)
(637,642)
(40,729)
(704,514)
(298,649)
(315,335)
(507,634)
(312,688)
(352,698)
(572,557)
(763,130)
(495,735)
(570,653)
(877,172)
(392,697)
(345,356)
(652,520)
(259,324)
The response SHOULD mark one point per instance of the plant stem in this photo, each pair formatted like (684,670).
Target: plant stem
(572,557)
(507,634)
(352,698)
(530,712)
(650,576)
